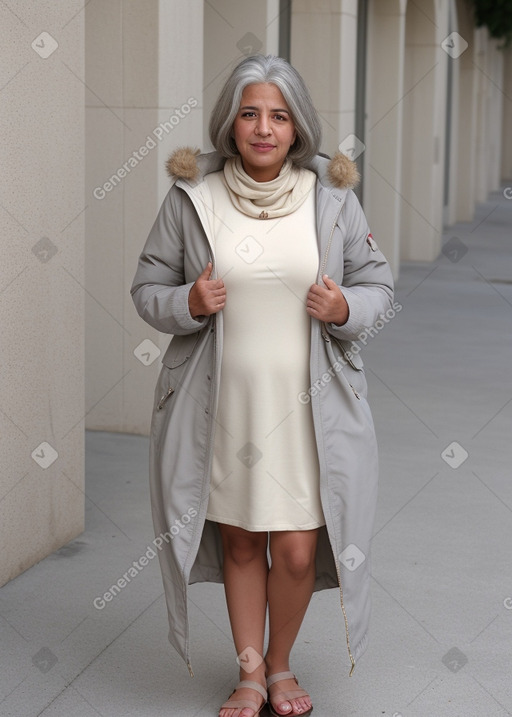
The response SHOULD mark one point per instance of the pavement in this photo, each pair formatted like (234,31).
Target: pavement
(440,388)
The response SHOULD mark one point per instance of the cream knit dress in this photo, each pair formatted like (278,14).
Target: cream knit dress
(265,473)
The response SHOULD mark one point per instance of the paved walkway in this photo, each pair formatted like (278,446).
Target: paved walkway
(441,640)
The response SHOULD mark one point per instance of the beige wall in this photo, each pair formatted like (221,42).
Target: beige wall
(42,281)
(489,81)
(323,49)
(506,154)
(423,130)
(151,74)
(466,128)
(235,29)
(384,124)
(150,97)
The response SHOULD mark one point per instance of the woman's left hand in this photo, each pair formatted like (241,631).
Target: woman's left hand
(327,303)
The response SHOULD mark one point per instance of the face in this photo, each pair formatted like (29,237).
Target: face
(263,130)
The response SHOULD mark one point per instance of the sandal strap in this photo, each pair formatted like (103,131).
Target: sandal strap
(250,684)
(280,676)
(285,695)
(251,704)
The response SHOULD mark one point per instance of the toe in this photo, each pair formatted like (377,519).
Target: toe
(284,708)
(300,705)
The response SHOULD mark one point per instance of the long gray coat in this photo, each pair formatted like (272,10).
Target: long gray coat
(177,250)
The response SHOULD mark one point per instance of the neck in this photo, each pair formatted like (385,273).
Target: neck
(262,174)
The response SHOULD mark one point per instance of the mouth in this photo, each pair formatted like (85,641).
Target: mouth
(262,146)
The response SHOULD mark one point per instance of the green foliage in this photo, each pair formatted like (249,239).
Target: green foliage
(496,15)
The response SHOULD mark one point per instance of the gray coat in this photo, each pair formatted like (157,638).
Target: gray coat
(185,400)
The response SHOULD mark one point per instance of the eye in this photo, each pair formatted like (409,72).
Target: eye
(280,117)
(248,113)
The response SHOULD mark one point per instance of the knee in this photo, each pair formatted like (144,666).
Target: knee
(242,550)
(298,562)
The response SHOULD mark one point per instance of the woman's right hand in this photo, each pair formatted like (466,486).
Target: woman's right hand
(207,296)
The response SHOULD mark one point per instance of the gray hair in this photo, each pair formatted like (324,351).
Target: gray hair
(276,71)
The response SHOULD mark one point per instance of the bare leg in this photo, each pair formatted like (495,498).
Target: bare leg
(290,586)
(245,583)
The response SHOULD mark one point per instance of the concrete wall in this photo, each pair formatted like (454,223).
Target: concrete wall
(323,49)
(146,103)
(235,29)
(423,130)
(466,130)
(150,77)
(42,281)
(384,124)
(506,153)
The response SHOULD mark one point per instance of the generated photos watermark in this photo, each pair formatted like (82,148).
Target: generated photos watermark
(136,157)
(100,602)
(363,336)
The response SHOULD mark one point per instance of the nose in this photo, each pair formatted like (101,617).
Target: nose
(263,127)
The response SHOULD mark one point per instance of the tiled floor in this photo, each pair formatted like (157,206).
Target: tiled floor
(441,637)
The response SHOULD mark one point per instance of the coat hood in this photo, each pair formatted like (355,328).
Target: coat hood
(189,164)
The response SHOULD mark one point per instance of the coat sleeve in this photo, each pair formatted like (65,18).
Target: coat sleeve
(367,281)
(159,289)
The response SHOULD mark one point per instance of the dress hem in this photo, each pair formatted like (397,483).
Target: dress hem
(264,529)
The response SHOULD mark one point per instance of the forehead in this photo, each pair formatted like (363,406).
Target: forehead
(263,92)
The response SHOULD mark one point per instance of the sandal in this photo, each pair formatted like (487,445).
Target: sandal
(244,704)
(286,696)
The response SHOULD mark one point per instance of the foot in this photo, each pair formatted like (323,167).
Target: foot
(285,695)
(246,700)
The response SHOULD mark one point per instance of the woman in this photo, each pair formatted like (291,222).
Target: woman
(261,265)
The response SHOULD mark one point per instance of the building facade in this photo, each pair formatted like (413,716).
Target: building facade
(96,96)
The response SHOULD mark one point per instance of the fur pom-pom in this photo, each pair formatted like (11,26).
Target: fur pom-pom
(343,172)
(182,163)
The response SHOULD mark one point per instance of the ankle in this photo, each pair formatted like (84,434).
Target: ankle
(257,675)
(276,665)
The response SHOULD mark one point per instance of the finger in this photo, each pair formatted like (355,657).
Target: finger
(207,272)
(218,306)
(314,306)
(317,290)
(317,298)
(330,284)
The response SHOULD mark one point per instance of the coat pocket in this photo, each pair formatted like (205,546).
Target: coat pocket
(174,362)
(353,359)
(164,397)
(353,367)
(180,349)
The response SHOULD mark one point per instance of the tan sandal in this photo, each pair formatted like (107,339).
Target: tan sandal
(244,704)
(286,696)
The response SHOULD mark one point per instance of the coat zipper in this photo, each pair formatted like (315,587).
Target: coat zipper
(346,621)
(164,398)
(192,196)
(323,330)
(325,336)
(324,261)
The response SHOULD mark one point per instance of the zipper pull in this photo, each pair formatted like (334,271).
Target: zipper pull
(164,398)
(355,392)
(324,332)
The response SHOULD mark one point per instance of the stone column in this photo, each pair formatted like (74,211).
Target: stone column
(383,154)
(424,130)
(144,76)
(42,281)
(323,49)
(506,154)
